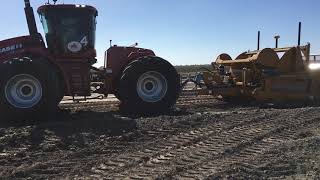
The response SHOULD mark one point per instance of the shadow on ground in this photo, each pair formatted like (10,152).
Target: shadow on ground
(65,122)
(262,105)
(66,127)
(66,130)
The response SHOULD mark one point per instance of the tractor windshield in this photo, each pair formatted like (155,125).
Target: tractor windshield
(69,30)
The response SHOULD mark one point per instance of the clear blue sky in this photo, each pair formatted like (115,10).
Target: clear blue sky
(188,31)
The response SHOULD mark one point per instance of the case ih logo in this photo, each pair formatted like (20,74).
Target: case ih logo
(10,48)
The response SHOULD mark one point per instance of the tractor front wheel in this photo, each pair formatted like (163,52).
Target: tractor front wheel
(149,85)
(27,90)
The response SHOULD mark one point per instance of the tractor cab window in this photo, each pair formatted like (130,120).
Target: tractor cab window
(44,24)
(69,30)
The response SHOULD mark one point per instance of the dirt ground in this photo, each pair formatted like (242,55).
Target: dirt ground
(202,138)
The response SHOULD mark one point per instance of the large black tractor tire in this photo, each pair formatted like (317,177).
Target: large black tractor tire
(149,85)
(29,90)
(117,93)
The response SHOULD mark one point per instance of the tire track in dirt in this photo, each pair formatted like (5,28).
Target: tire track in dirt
(262,164)
(53,164)
(244,151)
(122,162)
(242,155)
(47,165)
(174,142)
(189,150)
(180,148)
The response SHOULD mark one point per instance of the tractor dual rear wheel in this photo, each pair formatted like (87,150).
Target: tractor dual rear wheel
(29,89)
(149,85)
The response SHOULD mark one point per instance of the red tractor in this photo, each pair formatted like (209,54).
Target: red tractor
(34,77)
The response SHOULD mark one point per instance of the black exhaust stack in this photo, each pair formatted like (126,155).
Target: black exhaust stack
(32,26)
(299,34)
(258,45)
(277,37)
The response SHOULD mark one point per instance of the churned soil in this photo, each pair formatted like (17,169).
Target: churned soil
(202,138)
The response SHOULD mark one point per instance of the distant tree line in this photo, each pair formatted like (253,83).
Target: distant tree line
(192,68)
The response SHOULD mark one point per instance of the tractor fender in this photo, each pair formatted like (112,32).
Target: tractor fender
(16,60)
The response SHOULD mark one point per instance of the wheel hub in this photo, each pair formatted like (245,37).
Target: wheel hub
(152,86)
(26,90)
(149,86)
(23,91)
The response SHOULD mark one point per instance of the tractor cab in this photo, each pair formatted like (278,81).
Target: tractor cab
(69,29)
